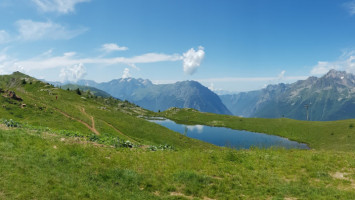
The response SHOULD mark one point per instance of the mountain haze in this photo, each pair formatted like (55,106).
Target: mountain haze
(330,97)
(92,90)
(184,94)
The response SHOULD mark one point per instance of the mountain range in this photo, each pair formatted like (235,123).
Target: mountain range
(330,97)
(184,94)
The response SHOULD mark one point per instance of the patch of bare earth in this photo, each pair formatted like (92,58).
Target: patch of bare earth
(206,198)
(4,127)
(92,128)
(120,132)
(290,198)
(179,194)
(2,195)
(344,176)
(156,193)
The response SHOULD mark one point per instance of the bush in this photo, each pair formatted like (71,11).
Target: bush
(11,123)
(161,147)
(78,91)
(127,144)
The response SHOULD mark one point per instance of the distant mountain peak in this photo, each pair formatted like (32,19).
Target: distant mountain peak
(183,94)
(335,74)
(332,97)
(132,80)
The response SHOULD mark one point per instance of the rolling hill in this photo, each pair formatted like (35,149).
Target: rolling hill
(41,104)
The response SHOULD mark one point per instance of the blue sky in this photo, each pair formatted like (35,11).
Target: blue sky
(234,45)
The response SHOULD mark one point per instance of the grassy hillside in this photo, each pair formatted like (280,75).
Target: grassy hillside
(47,106)
(61,145)
(43,165)
(332,135)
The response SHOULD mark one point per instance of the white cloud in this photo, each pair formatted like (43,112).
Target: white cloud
(4,37)
(192,60)
(109,47)
(73,73)
(251,79)
(32,30)
(350,6)
(281,76)
(345,62)
(7,64)
(60,6)
(212,81)
(126,73)
(70,58)
(197,128)
(323,67)
(47,60)
(211,87)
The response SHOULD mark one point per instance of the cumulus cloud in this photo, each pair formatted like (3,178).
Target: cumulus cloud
(33,30)
(110,47)
(192,60)
(345,62)
(60,6)
(126,73)
(73,73)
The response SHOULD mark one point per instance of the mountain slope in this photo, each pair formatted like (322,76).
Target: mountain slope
(185,94)
(330,97)
(92,90)
(24,98)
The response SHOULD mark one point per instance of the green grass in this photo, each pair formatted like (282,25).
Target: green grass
(332,135)
(49,166)
(54,155)
(59,109)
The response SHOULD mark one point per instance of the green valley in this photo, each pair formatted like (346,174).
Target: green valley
(65,144)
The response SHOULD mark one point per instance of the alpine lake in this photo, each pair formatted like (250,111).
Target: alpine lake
(227,137)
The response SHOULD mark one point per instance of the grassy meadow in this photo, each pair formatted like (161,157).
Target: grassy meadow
(330,135)
(62,145)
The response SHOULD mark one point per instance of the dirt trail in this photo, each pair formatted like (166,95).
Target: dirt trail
(92,128)
(110,125)
(120,132)
(91,117)
(92,120)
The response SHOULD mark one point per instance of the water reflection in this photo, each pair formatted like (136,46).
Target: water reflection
(231,138)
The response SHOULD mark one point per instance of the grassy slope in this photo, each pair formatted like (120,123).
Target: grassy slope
(332,135)
(44,165)
(112,117)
